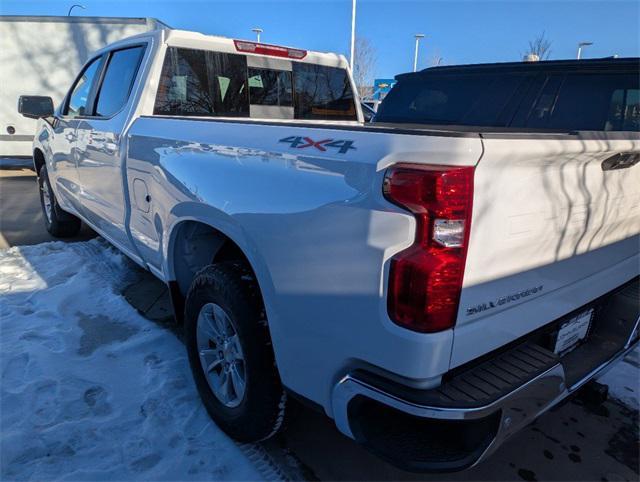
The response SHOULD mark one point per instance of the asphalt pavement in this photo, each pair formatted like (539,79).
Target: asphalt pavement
(576,441)
(21,219)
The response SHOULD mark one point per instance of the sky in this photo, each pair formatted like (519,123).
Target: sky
(458,32)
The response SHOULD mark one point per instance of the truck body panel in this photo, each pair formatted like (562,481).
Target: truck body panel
(548,220)
(314,225)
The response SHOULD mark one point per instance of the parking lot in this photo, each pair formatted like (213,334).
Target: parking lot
(577,441)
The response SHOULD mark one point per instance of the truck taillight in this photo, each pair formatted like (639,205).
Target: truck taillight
(425,280)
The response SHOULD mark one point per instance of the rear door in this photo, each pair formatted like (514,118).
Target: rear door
(556,217)
(100,146)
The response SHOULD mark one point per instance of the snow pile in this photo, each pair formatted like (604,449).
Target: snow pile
(90,389)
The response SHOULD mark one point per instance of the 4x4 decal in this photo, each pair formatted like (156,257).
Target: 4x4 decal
(300,142)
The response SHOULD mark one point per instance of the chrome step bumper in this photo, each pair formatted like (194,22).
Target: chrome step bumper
(517,409)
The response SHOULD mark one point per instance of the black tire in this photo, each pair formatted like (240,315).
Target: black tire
(59,223)
(260,412)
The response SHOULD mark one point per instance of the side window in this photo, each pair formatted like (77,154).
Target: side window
(597,102)
(202,83)
(118,80)
(322,93)
(543,107)
(624,110)
(270,87)
(79,97)
(526,100)
(490,107)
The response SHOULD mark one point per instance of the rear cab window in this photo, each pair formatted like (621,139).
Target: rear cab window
(202,83)
(270,87)
(216,84)
(322,92)
(559,100)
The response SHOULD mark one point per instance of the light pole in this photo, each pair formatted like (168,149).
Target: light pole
(580,45)
(353,33)
(74,6)
(418,36)
(257,31)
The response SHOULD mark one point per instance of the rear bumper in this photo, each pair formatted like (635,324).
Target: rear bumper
(473,412)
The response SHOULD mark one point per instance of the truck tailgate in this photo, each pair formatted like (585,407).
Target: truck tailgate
(552,229)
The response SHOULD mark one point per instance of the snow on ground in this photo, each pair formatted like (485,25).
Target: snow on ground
(624,380)
(89,389)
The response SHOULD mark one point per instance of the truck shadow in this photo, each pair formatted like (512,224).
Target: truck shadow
(573,442)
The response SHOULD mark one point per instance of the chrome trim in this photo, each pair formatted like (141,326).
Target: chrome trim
(519,407)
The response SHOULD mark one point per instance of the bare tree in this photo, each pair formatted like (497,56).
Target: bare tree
(364,65)
(540,47)
(435,59)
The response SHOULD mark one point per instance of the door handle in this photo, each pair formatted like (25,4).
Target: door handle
(622,160)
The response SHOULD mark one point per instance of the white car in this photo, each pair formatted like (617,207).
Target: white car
(432,281)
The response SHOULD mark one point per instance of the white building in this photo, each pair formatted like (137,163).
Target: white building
(42,56)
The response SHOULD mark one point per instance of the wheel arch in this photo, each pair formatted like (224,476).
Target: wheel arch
(193,243)
(38,159)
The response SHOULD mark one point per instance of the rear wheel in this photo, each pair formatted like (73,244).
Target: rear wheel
(59,223)
(230,353)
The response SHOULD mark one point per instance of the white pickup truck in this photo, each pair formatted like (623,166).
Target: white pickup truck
(433,281)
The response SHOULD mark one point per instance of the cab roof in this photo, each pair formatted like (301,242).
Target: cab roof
(606,64)
(185,38)
(200,41)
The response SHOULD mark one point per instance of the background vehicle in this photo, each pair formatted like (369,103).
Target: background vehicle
(368,111)
(30,65)
(433,289)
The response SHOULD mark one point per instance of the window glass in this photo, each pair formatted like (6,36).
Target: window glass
(205,83)
(526,100)
(270,87)
(322,93)
(545,102)
(118,80)
(202,83)
(473,99)
(562,101)
(79,97)
(491,105)
(597,102)
(521,99)
(624,111)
